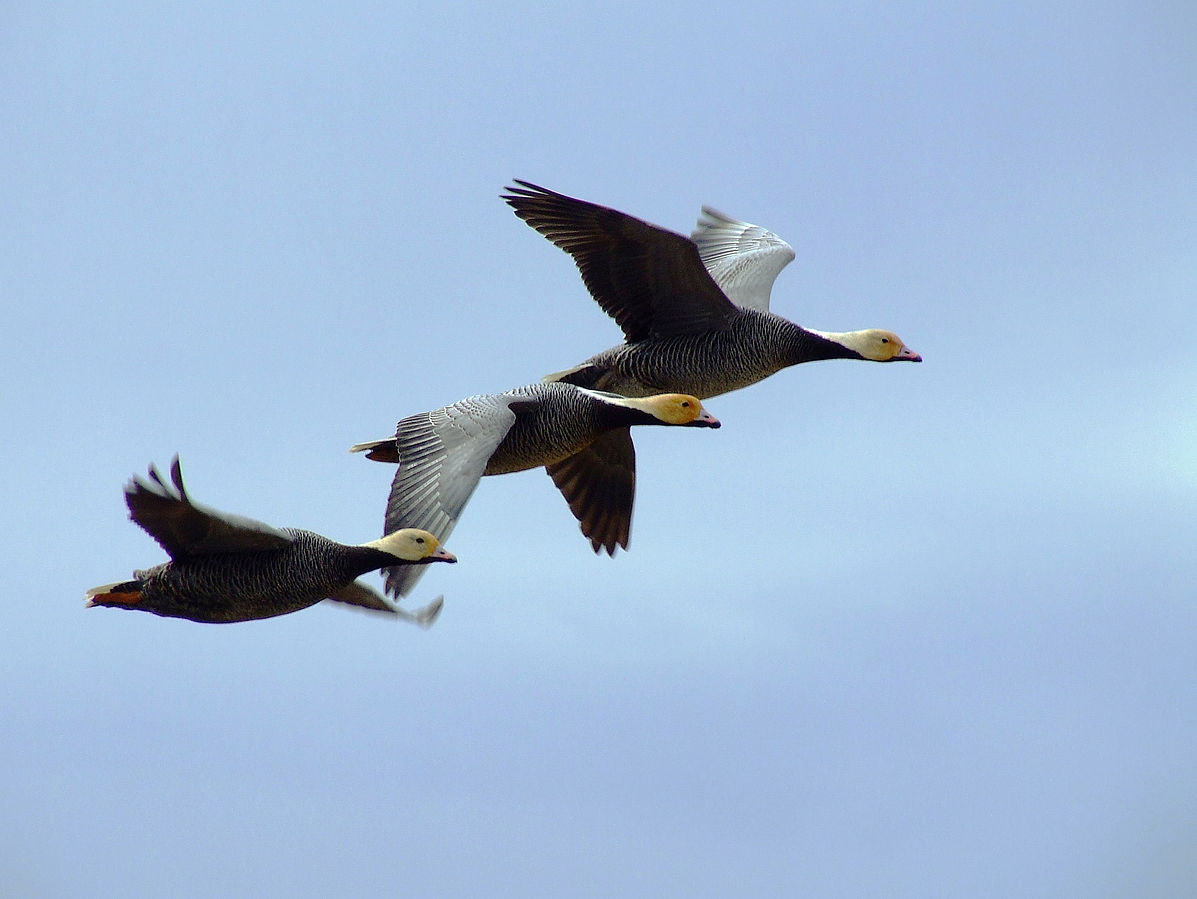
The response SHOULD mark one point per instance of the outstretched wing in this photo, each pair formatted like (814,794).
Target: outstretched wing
(185,528)
(599,483)
(650,280)
(442,455)
(744,259)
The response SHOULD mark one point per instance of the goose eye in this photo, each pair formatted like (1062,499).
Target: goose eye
(685,404)
(885,340)
(419,540)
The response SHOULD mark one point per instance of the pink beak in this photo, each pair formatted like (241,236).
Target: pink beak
(907,355)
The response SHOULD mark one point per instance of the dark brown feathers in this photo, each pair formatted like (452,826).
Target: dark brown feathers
(599,483)
(650,280)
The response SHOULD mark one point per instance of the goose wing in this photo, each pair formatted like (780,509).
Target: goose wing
(599,483)
(442,455)
(185,528)
(744,259)
(650,280)
(366,597)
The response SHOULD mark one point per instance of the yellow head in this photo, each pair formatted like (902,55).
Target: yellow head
(678,409)
(412,545)
(878,346)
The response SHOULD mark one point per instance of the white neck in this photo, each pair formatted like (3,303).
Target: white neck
(856,341)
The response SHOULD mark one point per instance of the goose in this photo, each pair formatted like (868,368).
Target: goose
(442,454)
(694,310)
(226,568)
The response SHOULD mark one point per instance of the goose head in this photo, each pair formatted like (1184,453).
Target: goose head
(875,345)
(412,545)
(678,409)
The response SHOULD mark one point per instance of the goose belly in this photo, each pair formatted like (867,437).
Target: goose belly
(536,442)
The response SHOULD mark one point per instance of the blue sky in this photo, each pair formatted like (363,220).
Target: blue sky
(892,630)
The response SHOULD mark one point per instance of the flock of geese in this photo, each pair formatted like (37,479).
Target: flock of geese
(696,322)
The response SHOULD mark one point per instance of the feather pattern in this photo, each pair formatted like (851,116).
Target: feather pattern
(707,363)
(744,259)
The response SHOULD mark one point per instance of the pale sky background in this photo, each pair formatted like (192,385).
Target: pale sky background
(894,630)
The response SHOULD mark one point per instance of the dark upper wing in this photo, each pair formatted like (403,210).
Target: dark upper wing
(650,280)
(599,483)
(184,528)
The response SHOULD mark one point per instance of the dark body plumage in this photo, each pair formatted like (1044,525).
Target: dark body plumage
(694,311)
(753,346)
(227,568)
(553,422)
(442,454)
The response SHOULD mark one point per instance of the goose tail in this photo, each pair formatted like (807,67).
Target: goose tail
(584,375)
(383,450)
(121,593)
